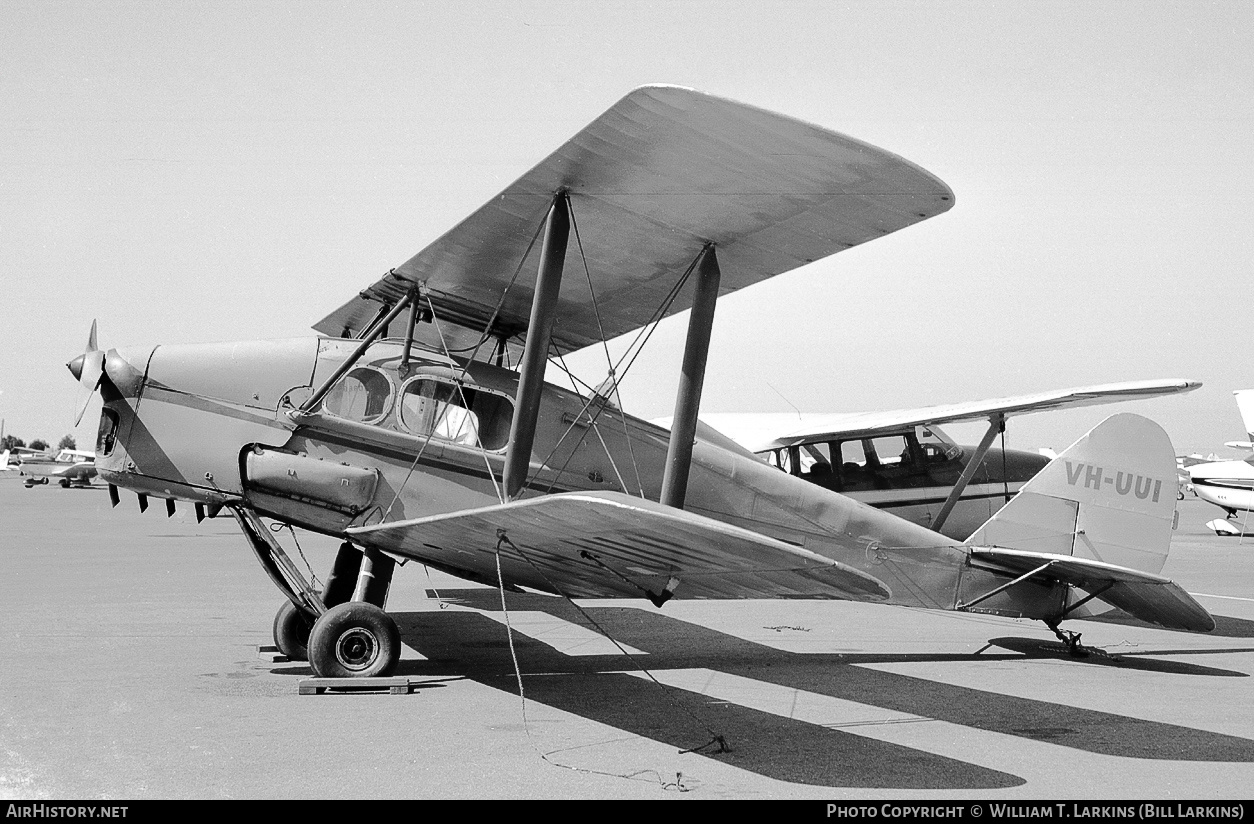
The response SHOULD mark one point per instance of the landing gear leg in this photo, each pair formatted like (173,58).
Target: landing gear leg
(356,638)
(1069,639)
(292,624)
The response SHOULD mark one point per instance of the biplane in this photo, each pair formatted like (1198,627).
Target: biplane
(903,462)
(420,425)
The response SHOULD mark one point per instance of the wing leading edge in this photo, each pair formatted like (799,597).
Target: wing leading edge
(663,172)
(758,432)
(608,544)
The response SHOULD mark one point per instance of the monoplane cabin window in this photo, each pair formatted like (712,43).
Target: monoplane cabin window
(456,412)
(936,446)
(364,395)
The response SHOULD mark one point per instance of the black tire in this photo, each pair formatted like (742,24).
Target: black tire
(291,632)
(354,640)
(65,483)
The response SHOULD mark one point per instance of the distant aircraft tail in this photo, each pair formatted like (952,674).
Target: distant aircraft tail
(1245,405)
(1109,497)
(4,461)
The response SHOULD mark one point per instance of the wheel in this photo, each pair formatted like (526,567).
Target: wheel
(65,483)
(291,632)
(354,640)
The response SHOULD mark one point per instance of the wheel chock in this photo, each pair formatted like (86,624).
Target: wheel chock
(394,685)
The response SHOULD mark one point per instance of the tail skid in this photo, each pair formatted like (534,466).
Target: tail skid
(1098,518)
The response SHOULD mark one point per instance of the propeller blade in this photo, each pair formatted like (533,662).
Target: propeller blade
(88,369)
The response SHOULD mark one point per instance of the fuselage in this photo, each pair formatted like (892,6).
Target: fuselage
(911,474)
(67,466)
(1226,484)
(217,424)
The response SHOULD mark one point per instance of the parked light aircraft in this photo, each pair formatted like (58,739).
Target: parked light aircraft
(901,461)
(69,467)
(11,459)
(1229,485)
(445,444)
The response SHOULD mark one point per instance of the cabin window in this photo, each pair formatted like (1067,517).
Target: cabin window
(456,412)
(363,394)
(935,446)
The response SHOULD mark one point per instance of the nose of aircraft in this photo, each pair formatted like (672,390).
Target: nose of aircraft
(87,369)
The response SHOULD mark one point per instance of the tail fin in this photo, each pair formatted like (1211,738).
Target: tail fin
(1109,497)
(1245,405)
(4,461)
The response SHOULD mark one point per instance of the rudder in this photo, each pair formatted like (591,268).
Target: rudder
(1109,497)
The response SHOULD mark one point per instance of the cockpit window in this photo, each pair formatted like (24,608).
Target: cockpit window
(456,412)
(936,445)
(363,394)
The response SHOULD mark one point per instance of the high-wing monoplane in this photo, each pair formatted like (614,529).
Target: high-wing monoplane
(1229,485)
(901,461)
(422,426)
(68,467)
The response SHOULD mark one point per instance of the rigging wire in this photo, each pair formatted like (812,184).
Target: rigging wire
(597,430)
(642,338)
(503,539)
(461,393)
(484,337)
(570,208)
(522,695)
(313,576)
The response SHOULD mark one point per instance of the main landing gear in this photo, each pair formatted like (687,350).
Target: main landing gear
(343,631)
(353,637)
(1071,640)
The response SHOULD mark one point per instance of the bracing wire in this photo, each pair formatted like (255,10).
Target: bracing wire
(503,539)
(461,393)
(638,345)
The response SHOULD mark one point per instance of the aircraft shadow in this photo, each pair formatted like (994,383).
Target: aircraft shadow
(1225,626)
(1035,648)
(472,645)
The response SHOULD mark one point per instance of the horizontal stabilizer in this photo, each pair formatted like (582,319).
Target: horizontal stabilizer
(1143,595)
(608,544)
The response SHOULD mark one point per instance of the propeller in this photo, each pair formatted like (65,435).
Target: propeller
(87,368)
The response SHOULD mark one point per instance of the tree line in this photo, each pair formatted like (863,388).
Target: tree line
(39,444)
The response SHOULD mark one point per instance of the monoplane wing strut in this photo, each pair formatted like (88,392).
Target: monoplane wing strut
(608,544)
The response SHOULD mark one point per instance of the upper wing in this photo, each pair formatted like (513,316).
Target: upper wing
(608,544)
(651,181)
(761,432)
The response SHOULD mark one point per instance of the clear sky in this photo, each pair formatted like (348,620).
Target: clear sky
(201,171)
